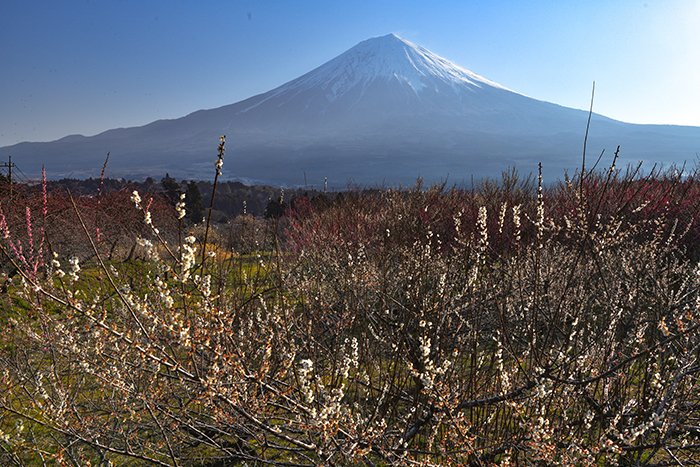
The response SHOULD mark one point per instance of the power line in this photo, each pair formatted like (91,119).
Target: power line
(25,178)
(9,165)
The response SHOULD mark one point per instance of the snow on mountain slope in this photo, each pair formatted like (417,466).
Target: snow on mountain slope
(381,58)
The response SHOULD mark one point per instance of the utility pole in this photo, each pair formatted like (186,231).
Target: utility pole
(8,165)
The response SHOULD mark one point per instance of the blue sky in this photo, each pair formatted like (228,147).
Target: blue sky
(84,66)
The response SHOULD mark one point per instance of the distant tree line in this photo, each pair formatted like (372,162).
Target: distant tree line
(232,199)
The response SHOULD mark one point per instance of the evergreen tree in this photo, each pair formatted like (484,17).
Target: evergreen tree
(194,203)
(171,188)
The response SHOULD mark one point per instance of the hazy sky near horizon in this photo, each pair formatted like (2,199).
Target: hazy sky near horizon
(85,66)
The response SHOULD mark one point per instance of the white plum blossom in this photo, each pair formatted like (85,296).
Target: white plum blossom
(180,207)
(187,259)
(136,199)
(74,268)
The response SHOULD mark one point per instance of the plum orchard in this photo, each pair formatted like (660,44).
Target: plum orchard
(509,324)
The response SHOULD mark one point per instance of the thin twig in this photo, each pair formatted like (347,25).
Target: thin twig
(219,163)
(585,139)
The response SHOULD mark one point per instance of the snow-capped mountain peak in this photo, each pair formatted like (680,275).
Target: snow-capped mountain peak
(392,56)
(383,59)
